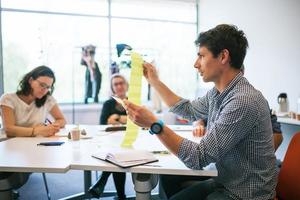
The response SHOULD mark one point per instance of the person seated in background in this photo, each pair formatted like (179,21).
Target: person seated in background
(277,133)
(113,113)
(24,113)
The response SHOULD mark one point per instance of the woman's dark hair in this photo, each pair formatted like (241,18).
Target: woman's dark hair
(228,37)
(25,88)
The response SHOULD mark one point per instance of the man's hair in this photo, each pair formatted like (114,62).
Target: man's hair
(228,37)
(25,88)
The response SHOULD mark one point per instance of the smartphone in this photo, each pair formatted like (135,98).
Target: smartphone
(50,143)
(115,128)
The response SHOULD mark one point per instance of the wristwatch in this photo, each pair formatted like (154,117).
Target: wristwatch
(156,127)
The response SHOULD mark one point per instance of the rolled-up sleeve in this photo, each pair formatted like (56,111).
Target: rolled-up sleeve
(191,110)
(225,132)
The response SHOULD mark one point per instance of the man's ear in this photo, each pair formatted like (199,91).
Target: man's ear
(225,56)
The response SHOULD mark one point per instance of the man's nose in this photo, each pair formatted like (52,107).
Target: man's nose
(197,64)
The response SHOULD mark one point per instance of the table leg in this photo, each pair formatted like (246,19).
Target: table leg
(87,176)
(143,184)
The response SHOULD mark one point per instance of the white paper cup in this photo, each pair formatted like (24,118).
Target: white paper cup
(75,134)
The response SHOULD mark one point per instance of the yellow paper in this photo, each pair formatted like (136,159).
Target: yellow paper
(134,95)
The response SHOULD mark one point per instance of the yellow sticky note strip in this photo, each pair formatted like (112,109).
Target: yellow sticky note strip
(130,135)
(134,95)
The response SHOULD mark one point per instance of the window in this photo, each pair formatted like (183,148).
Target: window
(53,32)
(169,45)
(90,7)
(54,40)
(176,11)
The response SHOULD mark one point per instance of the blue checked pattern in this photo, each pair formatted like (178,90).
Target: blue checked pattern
(239,139)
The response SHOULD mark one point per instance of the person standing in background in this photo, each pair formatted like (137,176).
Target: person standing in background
(93,76)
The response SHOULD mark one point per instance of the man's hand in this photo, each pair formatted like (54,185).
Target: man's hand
(199,128)
(150,73)
(139,115)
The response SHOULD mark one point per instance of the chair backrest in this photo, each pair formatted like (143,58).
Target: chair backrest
(288,187)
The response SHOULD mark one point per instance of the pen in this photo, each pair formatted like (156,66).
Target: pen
(160,152)
(152,165)
(50,143)
(47,120)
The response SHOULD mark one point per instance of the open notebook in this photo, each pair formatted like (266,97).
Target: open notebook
(126,157)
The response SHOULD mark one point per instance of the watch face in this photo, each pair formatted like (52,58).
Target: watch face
(156,128)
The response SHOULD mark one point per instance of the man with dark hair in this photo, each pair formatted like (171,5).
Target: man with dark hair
(239,133)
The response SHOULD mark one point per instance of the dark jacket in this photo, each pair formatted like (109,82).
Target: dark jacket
(110,107)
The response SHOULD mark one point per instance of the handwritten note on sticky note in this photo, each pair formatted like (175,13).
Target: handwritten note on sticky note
(134,95)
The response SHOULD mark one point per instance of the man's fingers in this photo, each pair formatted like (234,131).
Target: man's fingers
(147,65)
(199,131)
(130,106)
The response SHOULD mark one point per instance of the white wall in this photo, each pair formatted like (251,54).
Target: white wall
(273,31)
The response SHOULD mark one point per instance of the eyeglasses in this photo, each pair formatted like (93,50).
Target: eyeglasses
(118,83)
(44,85)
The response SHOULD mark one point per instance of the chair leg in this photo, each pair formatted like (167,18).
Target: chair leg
(46,186)
(96,175)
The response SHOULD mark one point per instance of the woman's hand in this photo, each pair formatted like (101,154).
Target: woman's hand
(46,131)
(123,119)
(113,119)
(139,115)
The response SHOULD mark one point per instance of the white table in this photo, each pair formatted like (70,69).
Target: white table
(287,120)
(23,155)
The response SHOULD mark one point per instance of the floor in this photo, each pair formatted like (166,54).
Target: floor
(62,185)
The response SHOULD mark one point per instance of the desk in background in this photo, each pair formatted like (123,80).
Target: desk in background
(24,155)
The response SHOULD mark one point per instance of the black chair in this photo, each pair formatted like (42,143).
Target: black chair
(10,181)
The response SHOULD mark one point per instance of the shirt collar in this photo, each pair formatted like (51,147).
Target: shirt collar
(229,87)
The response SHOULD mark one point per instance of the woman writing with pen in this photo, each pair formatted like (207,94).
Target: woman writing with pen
(24,113)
